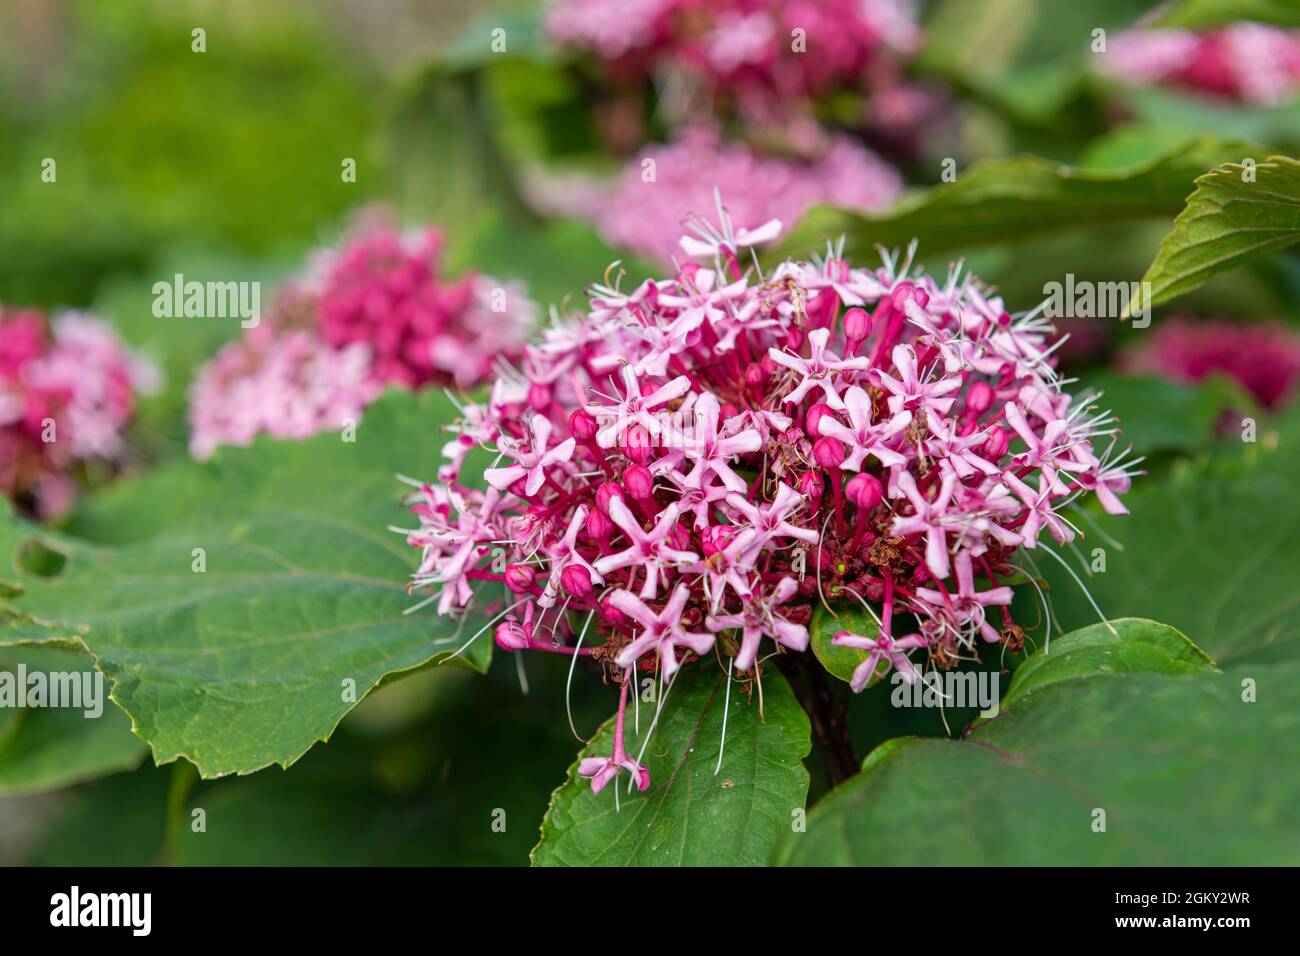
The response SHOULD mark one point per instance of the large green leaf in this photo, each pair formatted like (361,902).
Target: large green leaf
(694,813)
(1185,769)
(244,664)
(1214,13)
(47,748)
(1135,646)
(1228,221)
(1018,199)
(1211,548)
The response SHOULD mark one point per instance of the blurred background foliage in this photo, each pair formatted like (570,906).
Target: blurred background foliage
(227,164)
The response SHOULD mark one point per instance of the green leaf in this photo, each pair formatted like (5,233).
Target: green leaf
(1199,14)
(1185,770)
(1018,199)
(1211,548)
(48,748)
(839,661)
(244,664)
(690,816)
(1228,222)
(1134,646)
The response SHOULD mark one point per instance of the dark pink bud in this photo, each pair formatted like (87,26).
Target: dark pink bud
(638,482)
(612,614)
(679,538)
(636,444)
(510,636)
(729,410)
(864,491)
(604,493)
(539,396)
(811,485)
(998,441)
(583,425)
(813,420)
(857,325)
(519,577)
(576,581)
(828,453)
(755,377)
(979,398)
(598,525)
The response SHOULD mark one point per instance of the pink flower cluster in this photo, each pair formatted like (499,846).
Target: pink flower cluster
(67,391)
(371,314)
(1247,62)
(696,463)
(1262,357)
(758,54)
(646,215)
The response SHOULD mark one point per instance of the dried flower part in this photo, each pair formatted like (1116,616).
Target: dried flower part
(372,313)
(68,389)
(715,452)
(1247,62)
(1262,357)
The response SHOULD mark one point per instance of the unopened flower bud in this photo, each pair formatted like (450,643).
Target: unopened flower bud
(979,398)
(519,577)
(638,482)
(612,614)
(598,525)
(636,444)
(510,636)
(539,396)
(857,325)
(606,492)
(813,419)
(811,485)
(828,453)
(997,443)
(576,581)
(755,376)
(583,425)
(864,491)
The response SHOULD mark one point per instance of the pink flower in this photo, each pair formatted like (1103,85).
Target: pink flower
(819,370)
(371,313)
(1248,62)
(530,461)
(767,194)
(926,524)
(68,390)
(760,619)
(649,550)
(1262,357)
(863,437)
(662,632)
(601,770)
(881,647)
